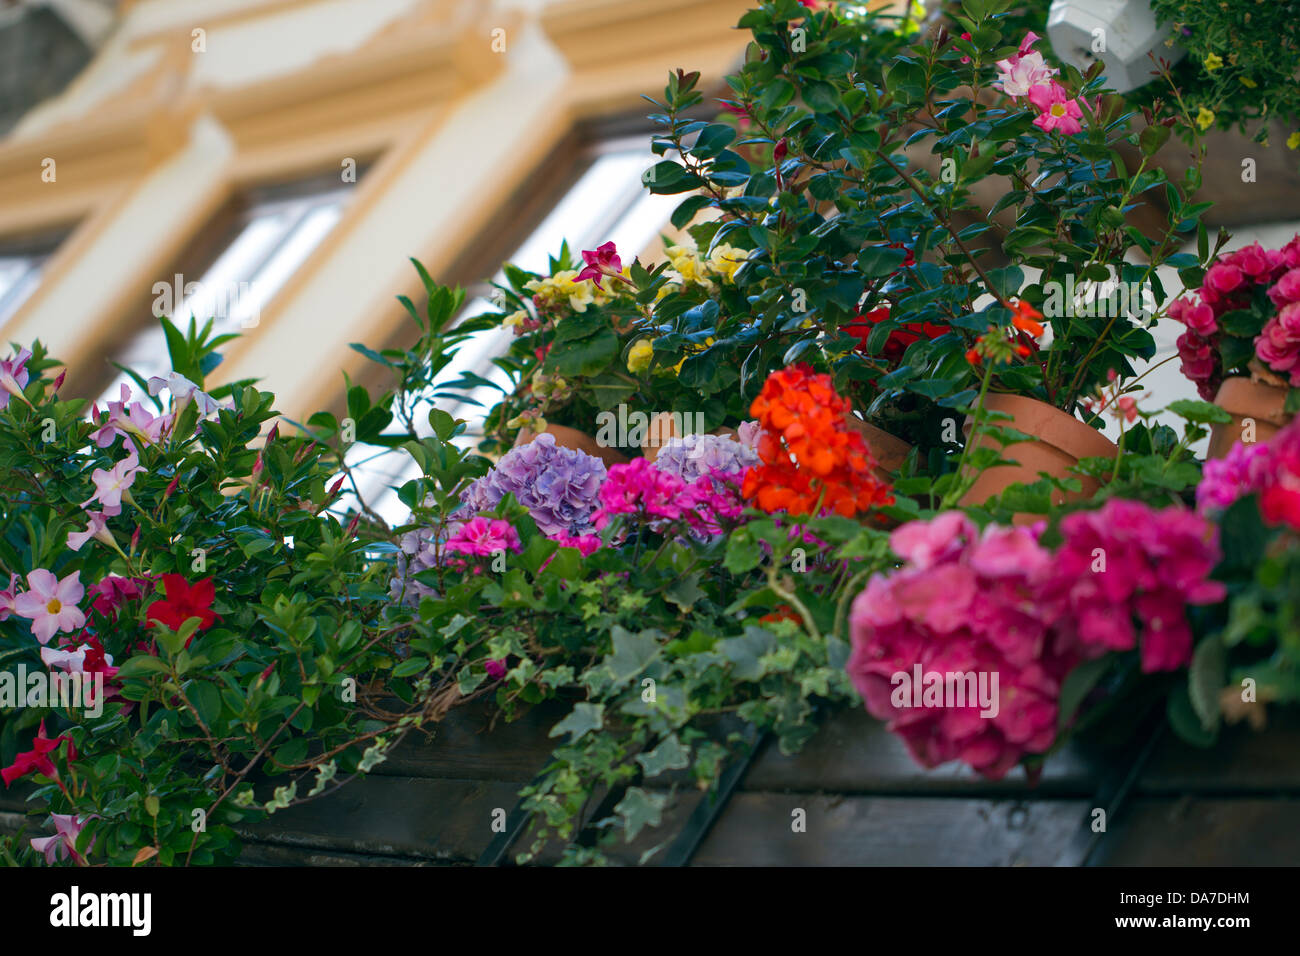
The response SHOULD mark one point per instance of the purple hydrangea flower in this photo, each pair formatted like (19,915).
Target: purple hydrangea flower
(558,486)
(421,550)
(690,457)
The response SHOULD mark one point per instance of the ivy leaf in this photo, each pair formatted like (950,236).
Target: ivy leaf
(639,809)
(745,652)
(685,592)
(632,654)
(669,755)
(582,720)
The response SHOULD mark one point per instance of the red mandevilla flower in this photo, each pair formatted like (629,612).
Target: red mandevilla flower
(37,760)
(183,602)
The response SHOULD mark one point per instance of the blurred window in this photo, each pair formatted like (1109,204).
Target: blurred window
(22,260)
(606,202)
(241,261)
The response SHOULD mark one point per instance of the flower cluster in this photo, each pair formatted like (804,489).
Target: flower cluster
(1000,603)
(1232,285)
(899,340)
(1269,469)
(1026,74)
(660,498)
(963,604)
(1126,562)
(690,268)
(557,485)
(690,457)
(997,346)
(809,458)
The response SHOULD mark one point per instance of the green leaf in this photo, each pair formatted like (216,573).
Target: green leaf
(639,809)
(1206,678)
(745,652)
(743,552)
(582,720)
(206,700)
(1185,721)
(1076,686)
(669,755)
(1202,413)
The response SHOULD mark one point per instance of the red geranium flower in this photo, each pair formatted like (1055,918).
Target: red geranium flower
(899,339)
(184,602)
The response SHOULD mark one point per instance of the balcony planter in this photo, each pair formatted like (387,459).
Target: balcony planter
(1060,441)
(1247,398)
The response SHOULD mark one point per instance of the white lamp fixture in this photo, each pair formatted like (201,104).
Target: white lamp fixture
(1120,33)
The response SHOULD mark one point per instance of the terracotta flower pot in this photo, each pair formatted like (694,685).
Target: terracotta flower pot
(1060,440)
(1246,398)
(567,437)
(889,451)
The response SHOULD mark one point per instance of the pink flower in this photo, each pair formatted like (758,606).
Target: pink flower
(604,261)
(1020,75)
(112,485)
(133,421)
(967,38)
(963,604)
(183,391)
(495,669)
(85,658)
(1057,111)
(7,598)
(639,488)
(1226,479)
(64,842)
(1223,278)
(1126,562)
(51,603)
(97,528)
(586,544)
(14,377)
(111,591)
(1024,71)
(925,543)
(484,537)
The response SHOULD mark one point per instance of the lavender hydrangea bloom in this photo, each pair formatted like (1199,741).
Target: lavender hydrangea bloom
(557,485)
(419,552)
(692,456)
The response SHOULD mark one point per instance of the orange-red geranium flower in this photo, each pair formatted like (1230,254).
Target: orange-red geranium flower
(1026,318)
(807,451)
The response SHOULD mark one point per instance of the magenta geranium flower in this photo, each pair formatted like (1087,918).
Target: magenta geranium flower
(51,603)
(603,261)
(484,537)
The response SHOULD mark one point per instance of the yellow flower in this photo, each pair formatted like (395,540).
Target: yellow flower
(1213,62)
(725,260)
(515,319)
(640,356)
(1248,82)
(1293,141)
(1205,118)
(687,263)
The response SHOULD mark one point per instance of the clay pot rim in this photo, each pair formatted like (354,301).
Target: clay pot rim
(1251,391)
(1049,425)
